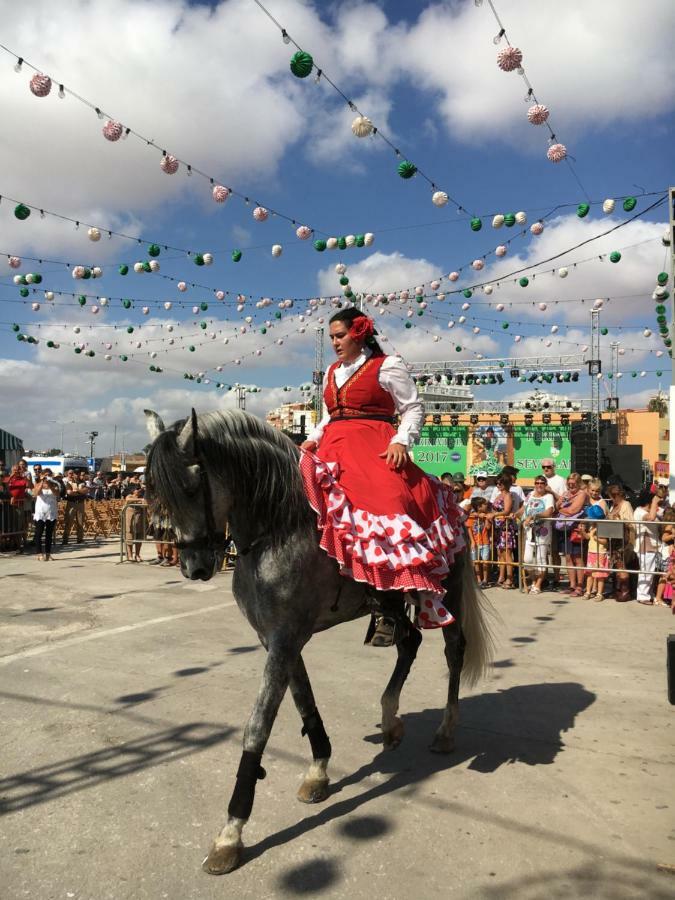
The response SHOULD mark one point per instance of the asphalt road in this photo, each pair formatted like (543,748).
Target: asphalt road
(124,691)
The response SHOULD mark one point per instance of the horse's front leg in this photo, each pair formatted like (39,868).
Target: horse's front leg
(314,788)
(225,853)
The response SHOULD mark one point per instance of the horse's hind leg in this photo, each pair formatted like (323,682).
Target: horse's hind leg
(225,853)
(455,644)
(392,726)
(314,788)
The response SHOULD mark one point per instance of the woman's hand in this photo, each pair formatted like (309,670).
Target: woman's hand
(308,445)
(396,456)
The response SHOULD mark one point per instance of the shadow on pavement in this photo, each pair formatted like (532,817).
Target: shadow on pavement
(69,775)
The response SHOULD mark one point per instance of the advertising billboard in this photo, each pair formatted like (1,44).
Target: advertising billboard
(532,443)
(441,448)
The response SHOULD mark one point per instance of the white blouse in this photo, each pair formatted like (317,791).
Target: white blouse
(394,378)
(46,506)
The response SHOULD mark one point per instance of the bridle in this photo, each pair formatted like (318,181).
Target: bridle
(211,540)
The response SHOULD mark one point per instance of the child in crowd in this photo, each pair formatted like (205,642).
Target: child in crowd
(597,562)
(666,582)
(480,534)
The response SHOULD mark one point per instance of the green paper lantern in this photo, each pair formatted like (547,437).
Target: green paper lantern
(342,243)
(476,224)
(468,293)
(604,331)
(31,339)
(360,240)
(191,348)
(16,327)
(349,294)
(524,281)
(90,353)
(458,348)
(344,280)
(419,299)
(420,312)
(21,212)
(202,325)
(37,278)
(510,220)
(130,329)
(610,375)
(660,309)
(126,304)
(665,296)
(662,278)
(505,325)
(123,270)
(50,344)
(146,266)
(629,204)
(198,259)
(408,324)
(198,380)
(582,210)
(21,337)
(662,320)
(277,315)
(663,329)
(124,357)
(152,368)
(24,292)
(87,273)
(82,300)
(406,169)
(78,349)
(667,342)
(22,279)
(614,256)
(236,255)
(320,245)
(263,330)
(153,250)
(659,373)
(204,306)
(301,64)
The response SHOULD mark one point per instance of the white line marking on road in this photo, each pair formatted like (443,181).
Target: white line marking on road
(121,629)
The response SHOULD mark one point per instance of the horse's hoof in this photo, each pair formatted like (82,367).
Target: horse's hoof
(313,790)
(442,743)
(222,859)
(394,735)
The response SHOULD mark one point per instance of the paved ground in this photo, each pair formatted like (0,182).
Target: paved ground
(124,690)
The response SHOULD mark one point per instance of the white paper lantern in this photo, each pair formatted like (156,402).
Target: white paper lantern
(94,234)
(563,272)
(439,198)
(488,289)
(277,249)
(521,218)
(608,206)
(331,243)
(49,295)
(362,127)
(368,238)
(182,287)
(500,307)
(350,240)
(154,265)
(207,257)
(498,221)
(168,305)
(138,267)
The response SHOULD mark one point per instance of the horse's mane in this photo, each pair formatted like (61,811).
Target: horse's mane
(258,463)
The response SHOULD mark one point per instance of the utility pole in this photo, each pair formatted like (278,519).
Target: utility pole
(317,375)
(594,369)
(91,437)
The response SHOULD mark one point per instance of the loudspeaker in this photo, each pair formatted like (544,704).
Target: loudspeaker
(584,449)
(624,460)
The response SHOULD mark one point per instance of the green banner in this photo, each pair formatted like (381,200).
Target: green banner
(441,448)
(533,443)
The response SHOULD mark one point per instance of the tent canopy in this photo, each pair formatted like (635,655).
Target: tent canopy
(10,442)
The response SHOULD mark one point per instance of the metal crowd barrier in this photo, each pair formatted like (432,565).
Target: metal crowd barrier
(12,525)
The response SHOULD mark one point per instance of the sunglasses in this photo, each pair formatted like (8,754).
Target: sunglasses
(540,482)
(547,467)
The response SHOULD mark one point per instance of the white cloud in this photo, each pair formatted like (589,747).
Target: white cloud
(379,272)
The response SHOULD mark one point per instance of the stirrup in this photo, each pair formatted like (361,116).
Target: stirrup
(384,634)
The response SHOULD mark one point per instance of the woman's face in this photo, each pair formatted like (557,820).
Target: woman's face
(540,486)
(346,349)
(572,485)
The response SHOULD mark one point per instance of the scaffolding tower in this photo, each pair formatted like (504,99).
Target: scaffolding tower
(594,370)
(317,375)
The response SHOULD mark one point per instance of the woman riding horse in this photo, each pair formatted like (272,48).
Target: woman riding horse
(380,516)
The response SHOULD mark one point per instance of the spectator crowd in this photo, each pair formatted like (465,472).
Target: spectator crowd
(571,534)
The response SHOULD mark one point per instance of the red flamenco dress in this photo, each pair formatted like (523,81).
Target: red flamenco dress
(393,530)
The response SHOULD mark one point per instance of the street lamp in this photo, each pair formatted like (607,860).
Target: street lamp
(91,437)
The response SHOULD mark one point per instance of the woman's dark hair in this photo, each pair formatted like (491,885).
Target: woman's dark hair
(645,497)
(347,316)
(504,480)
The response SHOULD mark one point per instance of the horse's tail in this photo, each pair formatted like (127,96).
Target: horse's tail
(477,611)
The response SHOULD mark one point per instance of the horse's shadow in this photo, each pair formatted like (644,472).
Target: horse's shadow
(521,724)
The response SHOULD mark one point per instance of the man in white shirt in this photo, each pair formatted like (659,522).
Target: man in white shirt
(556,483)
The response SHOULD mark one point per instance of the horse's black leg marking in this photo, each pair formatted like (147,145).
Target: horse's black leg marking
(226,851)
(314,788)
(392,726)
(455,644)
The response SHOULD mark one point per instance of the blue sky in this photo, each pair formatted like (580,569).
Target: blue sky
(213,86)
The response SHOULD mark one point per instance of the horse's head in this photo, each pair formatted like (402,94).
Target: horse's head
(180,490)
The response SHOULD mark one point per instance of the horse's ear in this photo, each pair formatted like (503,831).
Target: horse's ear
(195,430)
(153,423)
(185,437)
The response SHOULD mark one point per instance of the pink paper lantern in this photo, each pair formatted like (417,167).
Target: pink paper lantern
(303,232)
(40,85)
(556,152)
(453,276)
(169,164)
(542,306)
(537,114)
(536,228)
(501,250)
(182,287)
(260,214)
(509,59)
(435,285)
(220,295)
(14,262)
(477,264)
(500,307)
(112,131)
(220,193)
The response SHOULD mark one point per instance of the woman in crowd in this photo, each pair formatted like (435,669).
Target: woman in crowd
(46,493)
(570,507)
(621,551)
(664,588)
(134,512)
(19,485)
(539,506)
(505,504)
(646,544)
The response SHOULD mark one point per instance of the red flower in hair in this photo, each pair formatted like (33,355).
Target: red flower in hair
(361,329)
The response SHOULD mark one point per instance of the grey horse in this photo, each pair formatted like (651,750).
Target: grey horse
(230,467)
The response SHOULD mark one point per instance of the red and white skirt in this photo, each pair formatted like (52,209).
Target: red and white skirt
(392,530)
